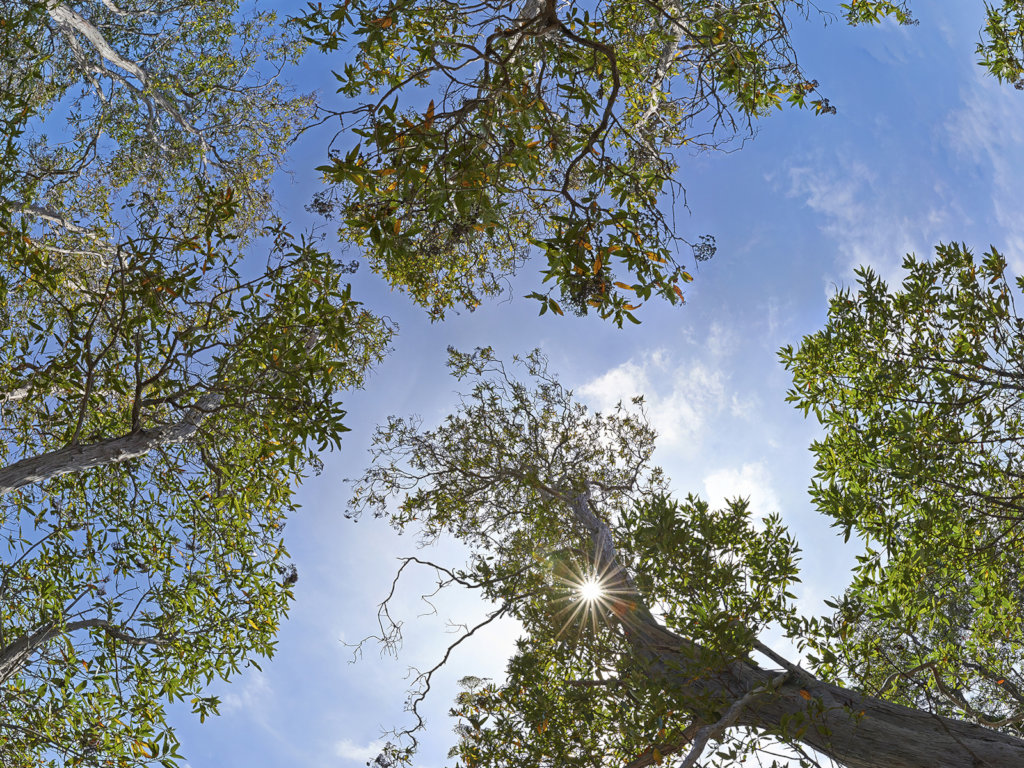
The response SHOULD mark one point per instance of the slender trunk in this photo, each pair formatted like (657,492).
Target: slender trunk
(15,656)
(77,458)
(855,730)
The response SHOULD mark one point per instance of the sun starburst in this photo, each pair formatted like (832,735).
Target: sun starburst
(591,589)
(590,595)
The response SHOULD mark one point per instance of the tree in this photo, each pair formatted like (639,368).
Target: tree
(136,101)
(918,390)
(662,659)
(546,125)
(473,135)
(158,407)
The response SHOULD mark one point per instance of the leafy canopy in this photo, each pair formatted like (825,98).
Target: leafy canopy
(473,133)
(919,392)
(158,407)
(133,102)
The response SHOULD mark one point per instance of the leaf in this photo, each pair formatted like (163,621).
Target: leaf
(624,286)
(805,694)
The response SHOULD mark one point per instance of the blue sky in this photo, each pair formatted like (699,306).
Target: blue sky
(924,149)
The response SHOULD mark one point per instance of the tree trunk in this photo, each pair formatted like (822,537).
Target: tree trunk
(77,458)
(855,730)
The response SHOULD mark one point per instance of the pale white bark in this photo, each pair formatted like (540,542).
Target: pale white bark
(47,214)
(668,55)
(854,730)
(76,23)
(77,458)
(14,395)
(70,19)
(16,655)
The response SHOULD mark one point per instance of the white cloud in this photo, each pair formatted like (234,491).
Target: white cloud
(868,227)
(680,400)
(751,481)
(349,750)
(988,130)
(251,698)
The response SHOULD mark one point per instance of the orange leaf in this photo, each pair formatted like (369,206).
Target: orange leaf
(679,293)
(624,286)
(597,265)
(805,694)
(397,226)
(1000,681)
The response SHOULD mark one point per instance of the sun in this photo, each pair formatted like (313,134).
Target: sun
(591,589)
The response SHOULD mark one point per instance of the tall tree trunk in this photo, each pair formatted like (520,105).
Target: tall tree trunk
(76,458)
(855,730)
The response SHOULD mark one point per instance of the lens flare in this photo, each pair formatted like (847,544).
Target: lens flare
(591,589)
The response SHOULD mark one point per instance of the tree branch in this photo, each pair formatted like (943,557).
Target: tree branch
(77,458)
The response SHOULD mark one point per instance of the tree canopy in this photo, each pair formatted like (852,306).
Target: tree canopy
(544,126)
(918,390)
(665,659)
(157,411)
(171,358)
(474,134)
(137,102)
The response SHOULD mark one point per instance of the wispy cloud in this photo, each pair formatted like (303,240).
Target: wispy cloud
(869,224)
(250,698)
(681,399)
(750,481)
(350,750)
(988,130)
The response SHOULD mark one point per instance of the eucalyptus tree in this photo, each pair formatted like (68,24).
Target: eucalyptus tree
(159,403)
(640,612)
(918,389)
(543,125)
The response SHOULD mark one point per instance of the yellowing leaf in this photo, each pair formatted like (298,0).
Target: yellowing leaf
(597,265)
(624,286)
(805,694)
(556,309)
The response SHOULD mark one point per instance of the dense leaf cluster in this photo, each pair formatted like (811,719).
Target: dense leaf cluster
(919,391)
